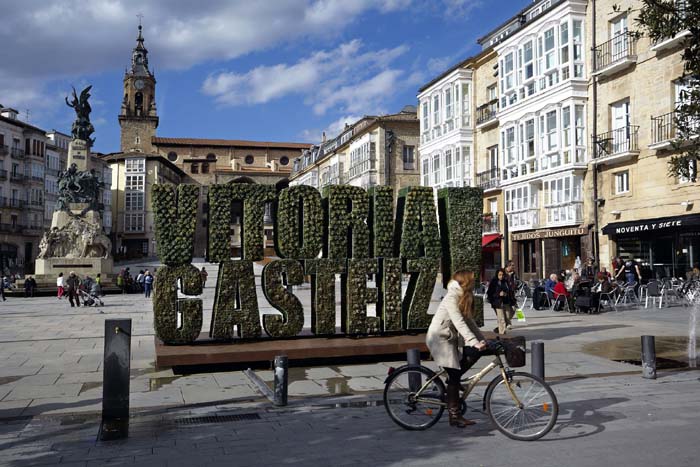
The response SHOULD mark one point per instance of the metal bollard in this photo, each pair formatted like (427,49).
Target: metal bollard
(115,388)
(537,358)
(281,366)
(648,357)
(413,360)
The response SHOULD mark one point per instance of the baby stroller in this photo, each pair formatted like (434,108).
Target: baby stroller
(90,294)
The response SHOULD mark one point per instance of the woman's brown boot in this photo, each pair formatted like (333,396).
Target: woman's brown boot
(453,409)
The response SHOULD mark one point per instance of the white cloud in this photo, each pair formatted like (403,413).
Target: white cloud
(346,79)
(44,41)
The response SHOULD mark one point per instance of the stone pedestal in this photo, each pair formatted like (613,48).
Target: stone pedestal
(79,154)
(47,269)
(70,254)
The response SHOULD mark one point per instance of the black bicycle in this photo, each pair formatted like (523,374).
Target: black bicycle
(521,405)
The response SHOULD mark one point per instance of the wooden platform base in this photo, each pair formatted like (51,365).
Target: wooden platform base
(311,348)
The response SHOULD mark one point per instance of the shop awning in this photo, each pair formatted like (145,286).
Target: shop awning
(488,238)
(659,224)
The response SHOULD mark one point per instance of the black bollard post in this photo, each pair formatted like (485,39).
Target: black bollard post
(413,360)
(281,365)
(115,387)
(648,357)
(537,358)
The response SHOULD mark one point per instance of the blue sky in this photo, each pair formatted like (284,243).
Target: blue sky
(276,70)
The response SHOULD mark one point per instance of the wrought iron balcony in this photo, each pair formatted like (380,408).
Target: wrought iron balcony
(16,203)
(491,223)
(663,129)
(17,153)
(615,54)
(489,179)
(618,144)
(16,177)
(486,113)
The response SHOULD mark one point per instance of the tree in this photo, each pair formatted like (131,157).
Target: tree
(661,19)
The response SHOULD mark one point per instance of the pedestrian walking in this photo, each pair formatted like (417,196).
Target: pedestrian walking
(454,339)
(499,296)
(59,285)
(147,284)
(72,286)
(29,286)
(139,281)
(121,282)
(512,278)
(3,286)
(204,275)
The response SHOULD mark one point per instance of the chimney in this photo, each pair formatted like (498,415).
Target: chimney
(323,137)
(9,113)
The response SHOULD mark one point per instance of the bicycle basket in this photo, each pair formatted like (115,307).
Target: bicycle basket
(515,351)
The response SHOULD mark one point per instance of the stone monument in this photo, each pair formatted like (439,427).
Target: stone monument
(76,241)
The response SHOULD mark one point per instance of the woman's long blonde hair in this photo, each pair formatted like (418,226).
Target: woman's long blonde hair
(465,279)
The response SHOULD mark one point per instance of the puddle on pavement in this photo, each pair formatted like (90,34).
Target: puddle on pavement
(9,379)
(671,352)
(90,385)
(155,384)
(338,386)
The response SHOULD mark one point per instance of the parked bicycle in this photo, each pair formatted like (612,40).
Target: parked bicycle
(521,405)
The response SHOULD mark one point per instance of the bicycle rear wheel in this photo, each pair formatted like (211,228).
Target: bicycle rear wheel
(405,407)
(536,415)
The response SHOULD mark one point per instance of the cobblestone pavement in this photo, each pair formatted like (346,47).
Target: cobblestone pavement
(620,420)
(51,389)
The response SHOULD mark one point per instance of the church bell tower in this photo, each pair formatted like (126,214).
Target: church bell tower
(138,117)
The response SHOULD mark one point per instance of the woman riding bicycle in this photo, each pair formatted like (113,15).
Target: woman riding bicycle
(455,340)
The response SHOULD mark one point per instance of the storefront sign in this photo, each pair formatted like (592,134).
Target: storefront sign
(572,232)
(651,225)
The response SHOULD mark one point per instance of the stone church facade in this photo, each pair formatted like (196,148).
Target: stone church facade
(145,158)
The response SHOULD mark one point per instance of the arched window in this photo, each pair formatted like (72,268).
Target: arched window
(284,160)
(211,156)
(172,156)
(249,159)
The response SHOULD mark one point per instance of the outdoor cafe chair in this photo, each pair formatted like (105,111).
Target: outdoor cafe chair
(561,298)
(653,291)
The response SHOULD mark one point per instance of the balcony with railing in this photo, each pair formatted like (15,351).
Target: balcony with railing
(12,203)
(16,177)
(489,179)
(17,153)
(564,214)
(37,178)
(616,146)
(486,114)
(10,228)
(527,219)
(663,131)
(491,223)
(615,55)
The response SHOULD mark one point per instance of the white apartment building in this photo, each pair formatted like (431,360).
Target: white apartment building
(447,135)
(56,158)
(542,105)
(375,150)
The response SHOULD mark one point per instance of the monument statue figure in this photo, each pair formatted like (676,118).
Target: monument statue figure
(82,128)
(76,237)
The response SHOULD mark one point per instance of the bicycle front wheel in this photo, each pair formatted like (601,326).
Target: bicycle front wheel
(536,414)
(409,406)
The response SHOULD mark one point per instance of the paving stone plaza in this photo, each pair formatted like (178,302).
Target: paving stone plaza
(51,390)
